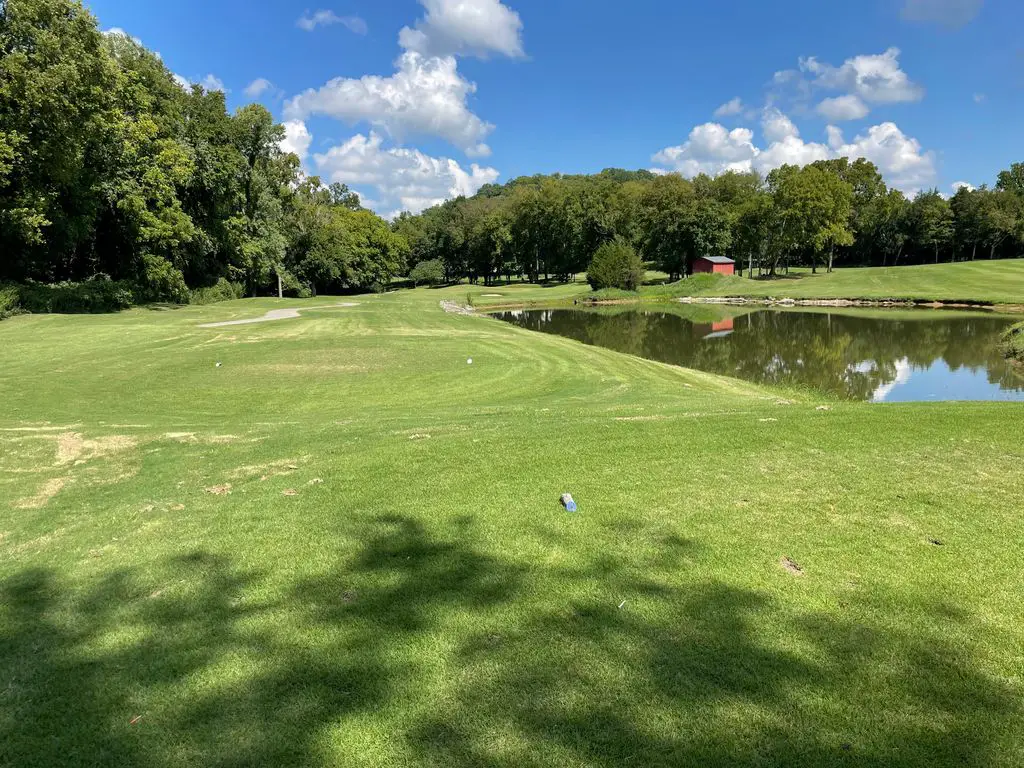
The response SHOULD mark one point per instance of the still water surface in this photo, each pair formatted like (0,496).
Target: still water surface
(876,355)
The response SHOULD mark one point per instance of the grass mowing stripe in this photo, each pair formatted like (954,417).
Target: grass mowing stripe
(344,546)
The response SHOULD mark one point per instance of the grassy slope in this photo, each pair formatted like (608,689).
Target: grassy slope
(430,603)
(996,282)
(990,282)
(1013,343)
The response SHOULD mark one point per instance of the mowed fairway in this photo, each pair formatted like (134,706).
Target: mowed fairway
(977,282)
(344,546)
(991,282)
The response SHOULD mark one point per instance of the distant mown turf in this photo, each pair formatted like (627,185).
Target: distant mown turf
(985,282)
(343,546)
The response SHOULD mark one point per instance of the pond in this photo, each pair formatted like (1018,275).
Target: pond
(872,355)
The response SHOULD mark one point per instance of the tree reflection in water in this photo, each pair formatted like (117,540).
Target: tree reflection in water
(855,354)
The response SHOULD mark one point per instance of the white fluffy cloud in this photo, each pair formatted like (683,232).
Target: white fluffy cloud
(213,83)
(297,138)
(258,87)
(402,179)
(713,149)
(876,79)
(210,83)
(425,97)
(899,157)
(730,108)
(958,185)
(465,27)
(310,21)
(785,145)
(949,13)
(843,108)
(776,126)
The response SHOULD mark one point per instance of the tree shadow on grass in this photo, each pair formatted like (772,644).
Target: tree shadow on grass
(228,666)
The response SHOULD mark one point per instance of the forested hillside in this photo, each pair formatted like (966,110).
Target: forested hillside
(118,186)
(829,212)
(111,171)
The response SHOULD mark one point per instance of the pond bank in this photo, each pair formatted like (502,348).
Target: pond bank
(1012,344)
(773,302)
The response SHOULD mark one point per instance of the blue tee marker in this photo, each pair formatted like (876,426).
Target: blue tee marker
(568,503)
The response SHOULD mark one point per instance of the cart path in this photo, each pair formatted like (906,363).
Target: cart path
(272,315)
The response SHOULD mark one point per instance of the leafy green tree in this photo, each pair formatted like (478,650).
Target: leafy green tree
(1001,219)
(890,225)
(817,205)
(58,121)
(666,207)
(427,273)
(932,221)
(616,265)
(1012,180)
(968,219)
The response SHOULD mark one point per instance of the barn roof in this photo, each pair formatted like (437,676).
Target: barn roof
(718,259)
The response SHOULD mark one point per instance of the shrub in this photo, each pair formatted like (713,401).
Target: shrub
(98,295)
(8,301)
(427,273)
(292,286)
(223,290)
(616,265)
(162,281)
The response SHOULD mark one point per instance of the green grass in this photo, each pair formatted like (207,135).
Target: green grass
(1013,342)
(981,282)
(429,602)
(989,282)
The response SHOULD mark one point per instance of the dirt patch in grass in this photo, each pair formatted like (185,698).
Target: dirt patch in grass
(46,491)
(219,490)
(75,456)
(790,566)
(72,448)
(193,438)
(279,468)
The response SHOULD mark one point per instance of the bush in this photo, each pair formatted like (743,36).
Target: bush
(162,281)
(427,273)
(221,291)
(8,301)
(616,265)
(98,295)
(293,287)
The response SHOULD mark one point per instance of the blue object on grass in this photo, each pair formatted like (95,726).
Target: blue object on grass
(568,503)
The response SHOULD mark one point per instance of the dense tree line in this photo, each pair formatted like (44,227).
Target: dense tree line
(114,176)
(828,211)
(110,169)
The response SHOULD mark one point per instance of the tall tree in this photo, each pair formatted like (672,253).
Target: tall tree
(932,221)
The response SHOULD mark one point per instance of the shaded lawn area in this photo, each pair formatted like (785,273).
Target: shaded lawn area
(389,580)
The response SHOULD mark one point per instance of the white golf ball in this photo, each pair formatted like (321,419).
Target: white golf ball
(470,361)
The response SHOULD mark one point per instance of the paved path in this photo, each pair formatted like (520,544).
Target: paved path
(272,315)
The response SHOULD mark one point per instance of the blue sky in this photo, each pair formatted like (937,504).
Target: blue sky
(413,101)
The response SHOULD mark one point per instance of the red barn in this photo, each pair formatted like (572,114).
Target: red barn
(719,265)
